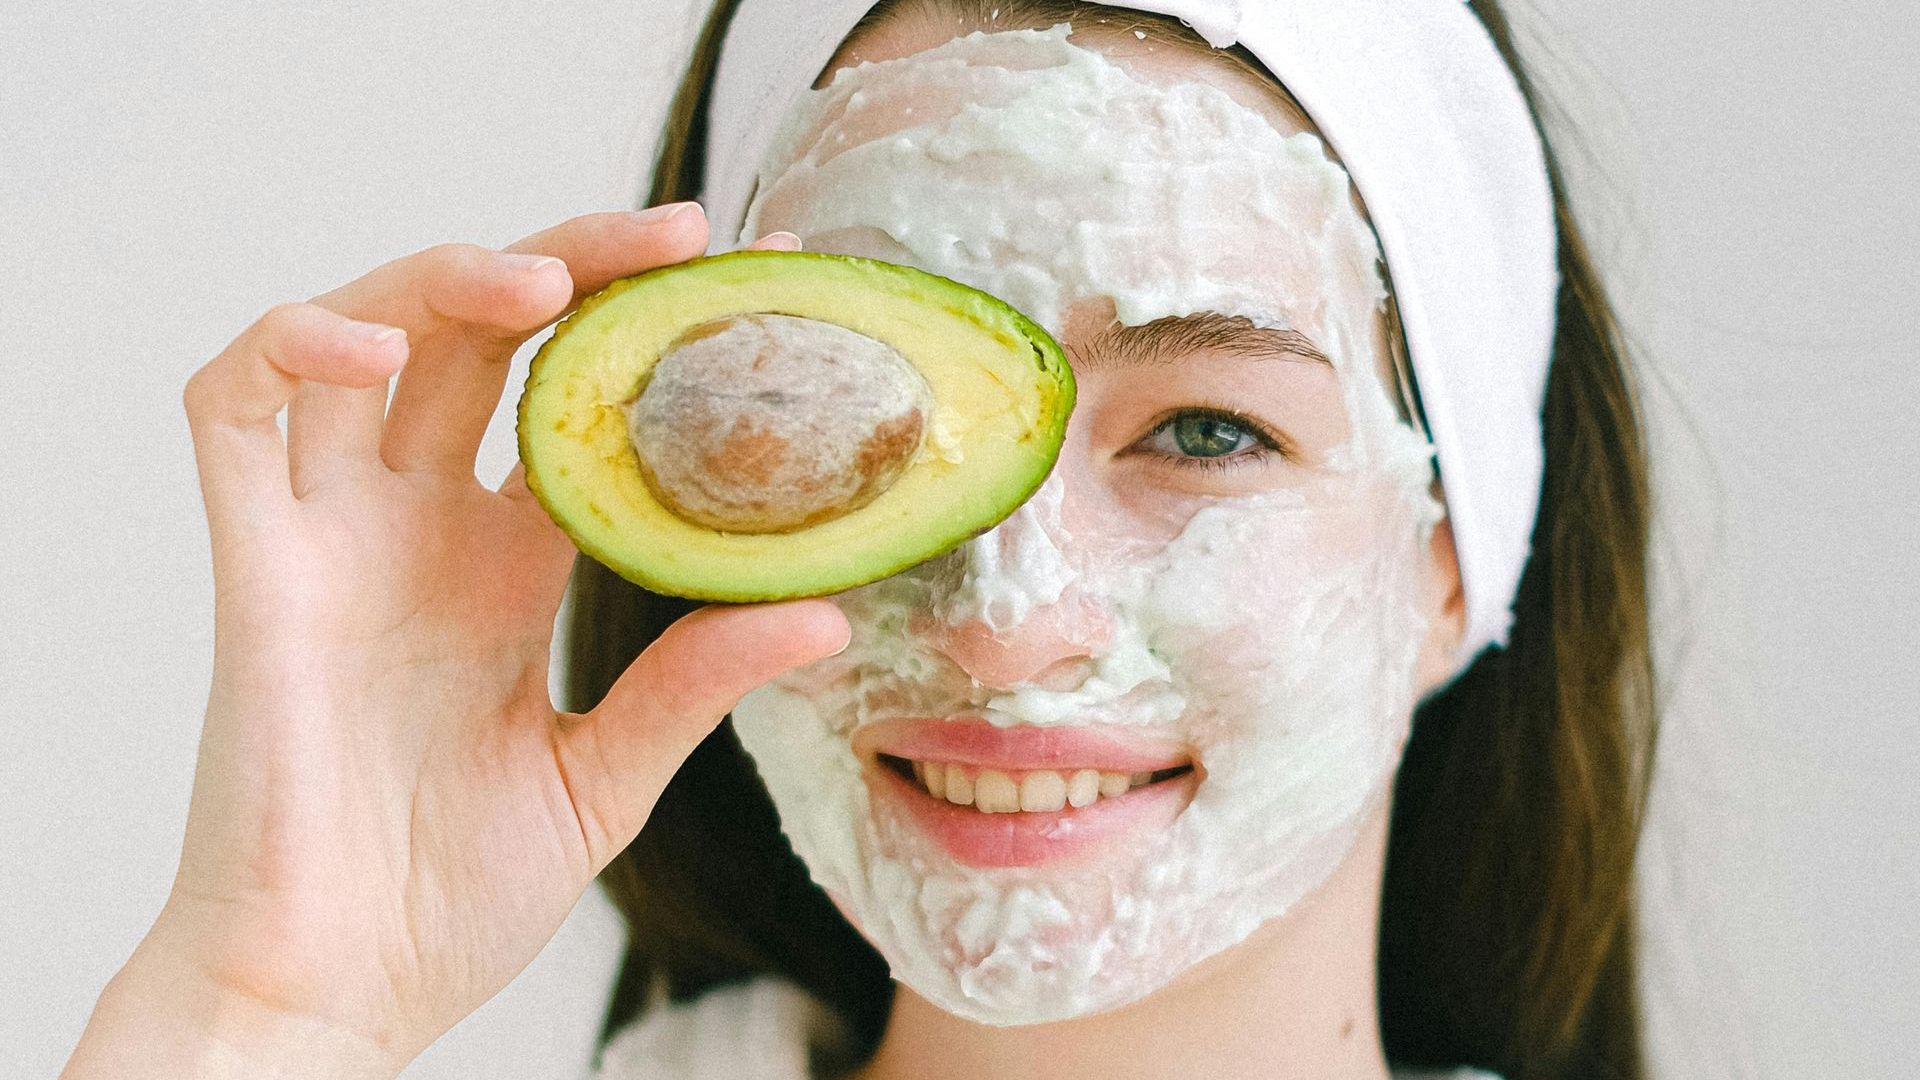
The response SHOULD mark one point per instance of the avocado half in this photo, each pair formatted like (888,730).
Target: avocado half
(1001,390)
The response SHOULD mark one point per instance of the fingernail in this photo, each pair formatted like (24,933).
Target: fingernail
(848,641)
(779,241)
(532,264)
(660,215)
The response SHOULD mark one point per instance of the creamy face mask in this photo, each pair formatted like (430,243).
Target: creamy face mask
(1268,640)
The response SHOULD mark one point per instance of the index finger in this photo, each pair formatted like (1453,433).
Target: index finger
(602,248)
(447,396)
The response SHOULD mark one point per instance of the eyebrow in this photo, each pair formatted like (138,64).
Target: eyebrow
(1164,341)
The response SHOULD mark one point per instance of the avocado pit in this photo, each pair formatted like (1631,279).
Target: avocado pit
(767,423)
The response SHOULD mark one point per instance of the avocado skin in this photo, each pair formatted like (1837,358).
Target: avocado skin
(1003,463)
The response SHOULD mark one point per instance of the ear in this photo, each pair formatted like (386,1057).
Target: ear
(1446,607)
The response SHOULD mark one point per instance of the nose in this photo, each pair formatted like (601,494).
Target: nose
(1045,649)
(1016,613)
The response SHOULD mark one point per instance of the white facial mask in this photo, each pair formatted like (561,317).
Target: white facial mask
(1274,638)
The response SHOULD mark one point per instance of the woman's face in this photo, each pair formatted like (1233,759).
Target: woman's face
(1150,710)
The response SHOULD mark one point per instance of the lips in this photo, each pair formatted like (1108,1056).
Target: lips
(1142,783)
(972,740)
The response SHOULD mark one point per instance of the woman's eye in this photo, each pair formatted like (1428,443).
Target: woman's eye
(1208,437)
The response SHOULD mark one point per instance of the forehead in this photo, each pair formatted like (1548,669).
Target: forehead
(1139,46)
(1291,256)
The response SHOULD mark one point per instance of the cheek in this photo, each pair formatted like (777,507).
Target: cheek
(823,678)
(1292,632)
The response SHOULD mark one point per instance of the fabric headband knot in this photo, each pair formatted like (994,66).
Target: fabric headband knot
(1429,122)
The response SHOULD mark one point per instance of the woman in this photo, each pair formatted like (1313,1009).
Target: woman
(389,818)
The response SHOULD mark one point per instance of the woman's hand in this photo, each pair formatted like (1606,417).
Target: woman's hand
(389,818)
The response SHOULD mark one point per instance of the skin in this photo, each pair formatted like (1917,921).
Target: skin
(1296,998)
(389,819)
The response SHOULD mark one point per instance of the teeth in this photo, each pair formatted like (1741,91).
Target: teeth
(1043,791)
(1084,787)
(992,791)
(959,787)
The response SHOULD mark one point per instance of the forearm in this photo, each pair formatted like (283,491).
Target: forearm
(160,1020)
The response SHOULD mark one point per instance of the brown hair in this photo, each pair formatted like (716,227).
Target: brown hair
(1507,920)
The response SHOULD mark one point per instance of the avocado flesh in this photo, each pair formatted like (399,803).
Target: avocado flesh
(1002,393)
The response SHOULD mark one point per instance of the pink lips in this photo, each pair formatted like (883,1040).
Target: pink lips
(1030,838)
(1027,838)
(971,740)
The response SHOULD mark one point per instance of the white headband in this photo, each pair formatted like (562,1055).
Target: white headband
(1430,124)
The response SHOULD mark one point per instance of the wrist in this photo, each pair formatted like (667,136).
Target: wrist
(160,1017)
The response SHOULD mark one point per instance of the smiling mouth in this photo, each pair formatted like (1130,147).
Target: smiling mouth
(997,791)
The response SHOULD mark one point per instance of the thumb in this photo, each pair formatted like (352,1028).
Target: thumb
(617,758)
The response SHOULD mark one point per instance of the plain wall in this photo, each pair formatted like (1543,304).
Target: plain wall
(169,171)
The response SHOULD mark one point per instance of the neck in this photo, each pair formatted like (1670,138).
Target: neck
(1295,1000)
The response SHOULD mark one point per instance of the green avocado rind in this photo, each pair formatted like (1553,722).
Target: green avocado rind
(886,537)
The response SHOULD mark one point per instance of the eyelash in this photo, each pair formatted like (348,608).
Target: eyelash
(1269,443)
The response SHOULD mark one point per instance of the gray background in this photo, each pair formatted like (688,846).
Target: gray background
(168,171)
